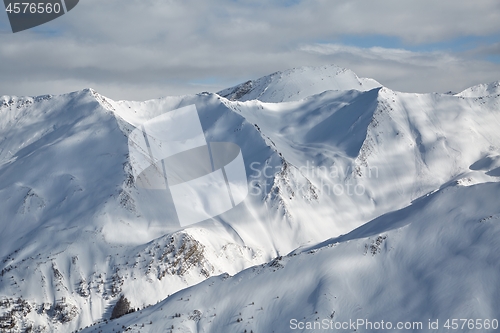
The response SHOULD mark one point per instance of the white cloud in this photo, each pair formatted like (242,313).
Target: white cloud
(140,49)
(410,71)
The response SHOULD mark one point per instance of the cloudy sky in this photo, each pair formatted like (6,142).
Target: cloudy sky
(142,49)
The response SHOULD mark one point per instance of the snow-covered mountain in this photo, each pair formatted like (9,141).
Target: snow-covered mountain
(298,83)
(481,90)
(410,180)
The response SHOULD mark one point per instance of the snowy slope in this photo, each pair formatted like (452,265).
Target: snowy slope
(76,232)
(298,83)
(482,90)
(376,151)
(434,260)
(77,224)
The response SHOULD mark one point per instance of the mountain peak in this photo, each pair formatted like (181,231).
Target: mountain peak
(481,90)
(298,83)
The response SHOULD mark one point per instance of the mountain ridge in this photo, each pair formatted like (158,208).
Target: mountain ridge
(397,147)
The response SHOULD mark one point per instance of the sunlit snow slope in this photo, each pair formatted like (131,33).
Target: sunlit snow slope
(433,260)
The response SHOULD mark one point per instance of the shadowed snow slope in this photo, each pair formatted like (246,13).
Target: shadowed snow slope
(76,232)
